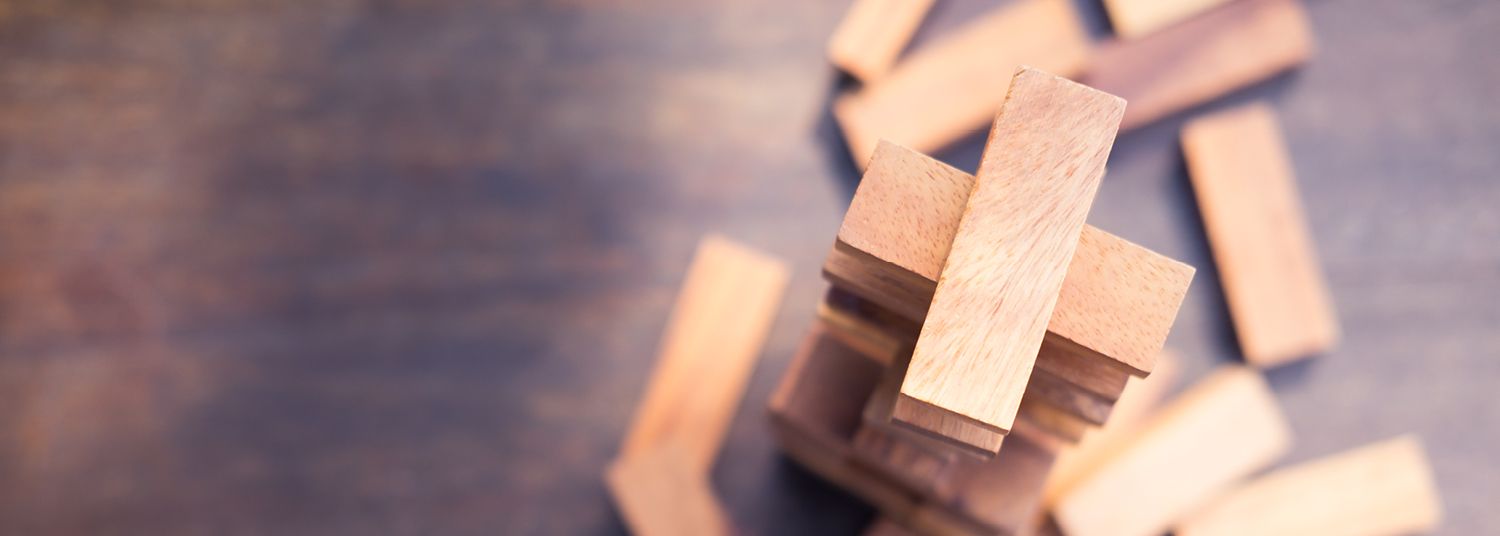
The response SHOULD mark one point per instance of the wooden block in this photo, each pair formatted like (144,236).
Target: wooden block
(1099,446)
(873,33)
(1247,193)
(927,423)
(1047,388)
(1117,303)
(856,322)
(1210,438)
(1003,495)
(912,465)
(951,88)
(1051,420)
(1205,57)
(659,495)
(1006,266)
(1135,18)
(718,325)
(1384,488)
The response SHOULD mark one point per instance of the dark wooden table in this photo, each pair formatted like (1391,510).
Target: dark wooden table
(349,267)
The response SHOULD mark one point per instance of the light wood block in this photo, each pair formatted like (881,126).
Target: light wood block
(1202,444)
(1117,303)
(1202,58)
(866,327)
(873,33)
(951,88)
(1247,193)
(928,424)
(1001,495)
(718,325)
(1020,229)
(659,495)
(1142,395)
(916,467)
(1135,18)
(1381,489)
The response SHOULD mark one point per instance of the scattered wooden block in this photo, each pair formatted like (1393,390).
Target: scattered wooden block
(873,33)
(1384,488)
(1216,434)
(1135,18)
(951,88)
(1117,303)
(1006,266)
(1247,193)
(718,325)
(659,495)
(1202,58)
(1141,396)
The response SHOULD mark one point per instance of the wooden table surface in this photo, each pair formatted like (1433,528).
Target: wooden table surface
(353,267)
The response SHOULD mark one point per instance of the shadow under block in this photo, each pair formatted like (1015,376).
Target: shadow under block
(1247,193)
(1117,302)
(1076,463)
(718,326)
(873,33)
(1202,58)
(1379,489)
(1005,268)
(1135,18)
(1222,430)
(658,495)
(951,88)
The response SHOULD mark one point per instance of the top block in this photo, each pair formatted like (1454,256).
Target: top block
(1037,179)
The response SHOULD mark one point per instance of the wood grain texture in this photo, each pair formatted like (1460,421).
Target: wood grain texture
(951,88)
(1247,192)
(1117,304)
(1203,58)
(1006,266)
(1136,18)
(873,34)
(728,300)
(660,495)
(1384,488)
(1218,433)
(1142,395)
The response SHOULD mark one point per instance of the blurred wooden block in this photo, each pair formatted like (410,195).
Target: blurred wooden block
(999,496)
(718,325)
(951,88)
(1379,489)
(1050,389)
(1135,18)
(1216,434)
(1247,193)
(1117,303)
(859,323)
(659,495)
(873,33)
(1005,269)
(1099,446)
(916,467)
(1224,49)
(885,526)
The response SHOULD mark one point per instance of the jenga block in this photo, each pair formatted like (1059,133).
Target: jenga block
(1117,303)
(1135,18)
(930,423)
(882,402)
(875,332)
(1141,396)
(1247,193)
(718,325)
(1384,488)
(659,495)
(913,466)
(1005,268)
(1216,434)
(1056,392)
(1002,494)
(1051,420)
(873,33)
(1203,58)
(951,88)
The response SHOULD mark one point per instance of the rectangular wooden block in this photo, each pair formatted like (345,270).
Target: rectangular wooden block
(658,495)
(1219,432)
(1135,18)
(1005,269)
(1384,488)
(1202,58)
(1117,303)
(1076,463)
(951,88)
(873,33)
(925,423)
(873,331)
(1247,194)
(718,325)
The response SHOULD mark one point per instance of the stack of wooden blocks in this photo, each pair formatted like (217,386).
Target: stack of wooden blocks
(975,326)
